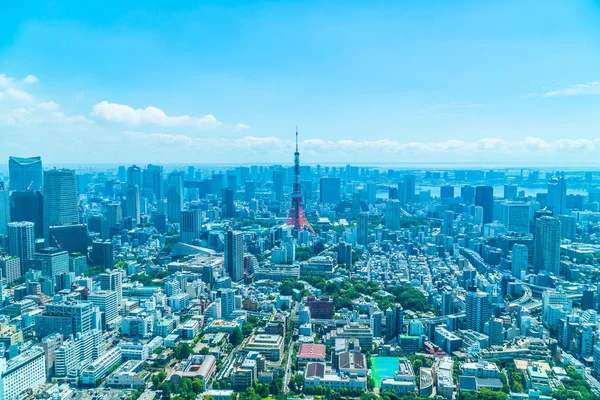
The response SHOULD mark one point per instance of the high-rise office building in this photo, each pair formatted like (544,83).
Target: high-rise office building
(227,303)
(54,261)
(478,310)
(106,301)
(278,180)
(174,196)
(394,322)
(61,204)
(510,191)
(66,318)
(557,196)
(407,194)
(330,190)
(114,215)
(26,371)
(21,241)
(228,203)
(393,212)
(448,223)
(362,228)
(515,216)
(28,206)
(468,194)
(447,302)
(25,173)
(447,192)
(234,255)
(484,197)
(11,269)
(546,245)
(134,176)
(102,253)
(4,211)
(71,238)
(153,182)
(133,203)
(249,190)
(112,280)
(568,227)
(191,225)
(520,260)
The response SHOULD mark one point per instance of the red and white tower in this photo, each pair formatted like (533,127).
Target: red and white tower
(296,217)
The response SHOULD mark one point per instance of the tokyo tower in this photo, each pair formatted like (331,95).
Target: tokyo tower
(296,217)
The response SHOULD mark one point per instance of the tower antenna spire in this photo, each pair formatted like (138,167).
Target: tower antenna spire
(296,138)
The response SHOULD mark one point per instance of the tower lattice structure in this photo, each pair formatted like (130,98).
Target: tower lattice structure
(297,217)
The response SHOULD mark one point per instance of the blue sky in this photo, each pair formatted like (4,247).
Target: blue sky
(377,81)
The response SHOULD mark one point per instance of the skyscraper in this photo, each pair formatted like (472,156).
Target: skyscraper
(468,194)
(278,179)
(394,322)
(4,211)
(330,190)
(134,176)
(515,216)
(61,205)
(54,261)
(106,301)
(228,205)
(114,215)
(392,214)
(25,173)
(510,191)
(21,241)
(448,223)
(227,302)
(112,280)
(28,206)
(234,255)
(153,182)
(520,259)
(478,310)
(557,196)
(447,192)
(174,196)
(362,235)
(249,190)
(191,225)
(133,203)
(102,253)
(408,192)
(484,197)
(546,245)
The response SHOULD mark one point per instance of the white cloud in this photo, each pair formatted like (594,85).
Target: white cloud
(48,105)
(150,115)
(5,81)
(588,88)
(30,79)
(240,128)
(18,95)
(22,109)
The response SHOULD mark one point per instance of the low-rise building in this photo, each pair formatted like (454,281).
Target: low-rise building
(270,346)
(316,375)
(129,374)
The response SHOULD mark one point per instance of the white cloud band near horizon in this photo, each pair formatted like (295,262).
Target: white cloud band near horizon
(375,150)
(589,88)
(150,115)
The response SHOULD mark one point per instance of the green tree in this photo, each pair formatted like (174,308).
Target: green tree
(236,337)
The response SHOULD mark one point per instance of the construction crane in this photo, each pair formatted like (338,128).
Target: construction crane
(29,187)
(57,242)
